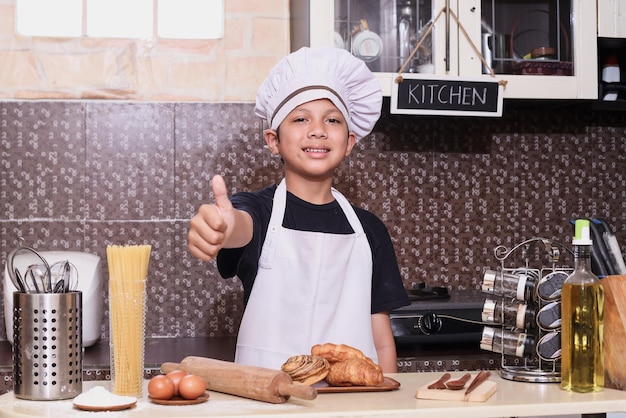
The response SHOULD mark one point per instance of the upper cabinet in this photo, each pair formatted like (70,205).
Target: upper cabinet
(612,18)
(612,53)
(543,49)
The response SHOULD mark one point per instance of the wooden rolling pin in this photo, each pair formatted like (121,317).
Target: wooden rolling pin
(251,382)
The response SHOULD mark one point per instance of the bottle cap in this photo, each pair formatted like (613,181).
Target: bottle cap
(581,233)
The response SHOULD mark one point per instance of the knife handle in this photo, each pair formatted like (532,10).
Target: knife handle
(480,378)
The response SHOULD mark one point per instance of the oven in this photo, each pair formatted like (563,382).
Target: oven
(439,316)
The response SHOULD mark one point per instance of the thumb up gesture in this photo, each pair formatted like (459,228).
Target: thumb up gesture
(218,225)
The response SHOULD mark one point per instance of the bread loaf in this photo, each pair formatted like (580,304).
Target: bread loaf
(336,352)
(348,366)
(355,372)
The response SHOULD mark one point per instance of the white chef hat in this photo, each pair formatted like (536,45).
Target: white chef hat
(321,73)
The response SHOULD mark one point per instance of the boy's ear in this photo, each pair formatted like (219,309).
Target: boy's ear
(271,139)
(351,142)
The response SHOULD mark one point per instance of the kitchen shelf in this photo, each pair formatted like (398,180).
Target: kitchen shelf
(313,24)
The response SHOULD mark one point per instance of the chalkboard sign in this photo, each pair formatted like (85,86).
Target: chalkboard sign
(423,94)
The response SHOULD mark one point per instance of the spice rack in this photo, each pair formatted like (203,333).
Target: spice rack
(524,310)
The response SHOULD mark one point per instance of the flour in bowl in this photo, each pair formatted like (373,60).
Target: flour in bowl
(99,397)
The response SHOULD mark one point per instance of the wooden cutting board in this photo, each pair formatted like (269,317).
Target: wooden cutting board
(614,331)
(480,394)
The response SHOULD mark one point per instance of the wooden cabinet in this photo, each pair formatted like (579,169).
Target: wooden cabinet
(572,23)
(612,18)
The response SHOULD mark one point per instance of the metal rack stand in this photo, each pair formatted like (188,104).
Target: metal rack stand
(541,291)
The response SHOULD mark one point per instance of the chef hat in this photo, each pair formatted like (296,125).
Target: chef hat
(321,73)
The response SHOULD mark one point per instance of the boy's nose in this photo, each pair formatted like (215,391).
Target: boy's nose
(317,131)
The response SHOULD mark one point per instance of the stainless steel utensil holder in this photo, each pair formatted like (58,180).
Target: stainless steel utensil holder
(47,346)
(531,367)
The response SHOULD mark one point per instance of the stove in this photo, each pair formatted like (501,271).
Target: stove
(437,316)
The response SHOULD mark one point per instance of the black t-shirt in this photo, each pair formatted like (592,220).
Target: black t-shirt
(387,288)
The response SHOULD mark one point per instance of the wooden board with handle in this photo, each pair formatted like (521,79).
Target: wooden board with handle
(480,394)
(614,331)
(261,384)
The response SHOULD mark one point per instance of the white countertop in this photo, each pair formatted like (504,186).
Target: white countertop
(511,399)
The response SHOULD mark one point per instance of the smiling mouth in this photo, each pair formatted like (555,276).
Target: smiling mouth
(317,150)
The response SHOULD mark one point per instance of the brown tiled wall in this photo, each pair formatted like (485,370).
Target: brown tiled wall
(81,175)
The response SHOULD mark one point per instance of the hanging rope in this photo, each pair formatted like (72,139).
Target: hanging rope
(429,29)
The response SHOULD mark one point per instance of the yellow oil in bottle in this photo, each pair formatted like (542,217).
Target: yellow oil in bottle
(582,361)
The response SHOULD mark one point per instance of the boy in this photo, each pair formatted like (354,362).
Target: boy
(314,268)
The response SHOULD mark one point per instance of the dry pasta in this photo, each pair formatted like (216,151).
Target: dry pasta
(128,269)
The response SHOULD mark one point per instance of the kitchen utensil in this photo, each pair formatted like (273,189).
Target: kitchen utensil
(338,41)
(64,276)
(105,408)
(18,281)
(478,380)
(90,271)
(480,393)
(549,316)
(388,384)
(18,262)
(366,45)
(47,345)
(181,401)
(550,285)
(128,271)
(261,384)
(37,276)
(440,384)
(127,309)
(561,65)
(600,249)
(459,383)
(99,399)
(612,246)
(496,51)
(549,346)
(614,331)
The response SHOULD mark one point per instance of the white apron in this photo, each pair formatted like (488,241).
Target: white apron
(311,288)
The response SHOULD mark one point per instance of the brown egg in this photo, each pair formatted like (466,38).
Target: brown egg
(161,387)
(175,376)
(191,386)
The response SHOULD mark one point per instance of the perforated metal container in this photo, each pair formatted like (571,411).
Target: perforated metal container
(47,346)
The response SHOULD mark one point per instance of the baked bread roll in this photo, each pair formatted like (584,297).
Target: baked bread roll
(337,352)
(355,372)
(348,366)
(306,369)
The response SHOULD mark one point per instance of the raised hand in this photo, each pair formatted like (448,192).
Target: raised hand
(213,224)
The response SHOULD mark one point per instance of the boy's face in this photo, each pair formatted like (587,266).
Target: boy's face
(314,139)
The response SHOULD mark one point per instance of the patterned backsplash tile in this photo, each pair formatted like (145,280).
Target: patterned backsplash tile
(83,175)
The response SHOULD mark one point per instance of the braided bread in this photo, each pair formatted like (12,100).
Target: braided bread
(307,369)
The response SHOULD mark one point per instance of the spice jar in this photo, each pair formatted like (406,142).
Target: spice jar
(508,342)
(509,313)
(519,286)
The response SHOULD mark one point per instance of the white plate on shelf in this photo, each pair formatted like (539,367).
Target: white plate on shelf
(367,45)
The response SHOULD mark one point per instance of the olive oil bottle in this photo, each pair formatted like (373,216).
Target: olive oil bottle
(582,320)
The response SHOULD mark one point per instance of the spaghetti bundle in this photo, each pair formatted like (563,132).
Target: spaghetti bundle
(128,269)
